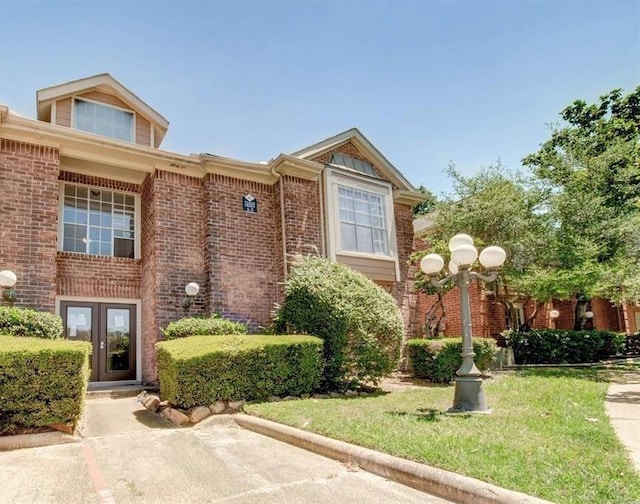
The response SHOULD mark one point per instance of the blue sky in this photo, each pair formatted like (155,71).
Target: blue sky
(428,82)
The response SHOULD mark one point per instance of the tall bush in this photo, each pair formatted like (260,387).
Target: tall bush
(360,324)
(26,322)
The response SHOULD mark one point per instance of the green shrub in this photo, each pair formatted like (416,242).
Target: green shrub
(203,369)
(42,382)
(439,359)
(26,322)
(360,324)
(198,326)
(632,344)
(558,346)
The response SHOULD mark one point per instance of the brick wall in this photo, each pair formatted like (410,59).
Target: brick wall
(148,283)
(97,276)
(302,217)
(243,250)
(172,248)
(29,218)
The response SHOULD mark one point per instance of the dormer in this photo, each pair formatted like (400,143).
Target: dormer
(102,106)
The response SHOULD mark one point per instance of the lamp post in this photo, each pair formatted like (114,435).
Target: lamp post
(469,395)
(7,281)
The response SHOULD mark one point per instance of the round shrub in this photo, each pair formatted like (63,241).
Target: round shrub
(31,323)
(360,324)
(439,359)
(200,326)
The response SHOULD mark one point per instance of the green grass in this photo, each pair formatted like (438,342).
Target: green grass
(548,434)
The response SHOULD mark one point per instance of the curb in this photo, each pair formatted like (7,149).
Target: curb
(452,486)
(35,440)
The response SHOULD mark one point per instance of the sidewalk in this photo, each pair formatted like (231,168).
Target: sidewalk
(623,407)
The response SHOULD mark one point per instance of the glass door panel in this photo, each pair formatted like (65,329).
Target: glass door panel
(118,340)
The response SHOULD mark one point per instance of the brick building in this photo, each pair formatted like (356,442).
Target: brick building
(104,228)
(488,315)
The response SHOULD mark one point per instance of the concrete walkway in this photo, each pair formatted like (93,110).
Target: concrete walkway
(623,407)
(130,455)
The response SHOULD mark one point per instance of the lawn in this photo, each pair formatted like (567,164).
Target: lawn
(548,434)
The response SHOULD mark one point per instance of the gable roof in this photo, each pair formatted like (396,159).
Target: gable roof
(104,83)
(366,147)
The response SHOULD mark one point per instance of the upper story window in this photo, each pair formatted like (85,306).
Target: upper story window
(103,120)
(363,226)
(98,221)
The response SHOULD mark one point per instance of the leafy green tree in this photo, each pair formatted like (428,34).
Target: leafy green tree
(427,205)
(496,207)
(590,170)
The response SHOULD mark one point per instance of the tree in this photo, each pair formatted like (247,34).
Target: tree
(496,207)
(427,205)
(590,171)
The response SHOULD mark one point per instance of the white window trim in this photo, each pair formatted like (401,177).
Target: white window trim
(137,218)
(336,177)
(129,111)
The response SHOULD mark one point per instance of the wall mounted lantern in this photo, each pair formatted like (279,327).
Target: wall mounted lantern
(469,395)
(7,281)
(191,289)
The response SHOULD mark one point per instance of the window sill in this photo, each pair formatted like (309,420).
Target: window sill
(378,257)
(78,255)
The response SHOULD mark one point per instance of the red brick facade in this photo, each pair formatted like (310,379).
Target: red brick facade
(190,222)
(29,215)
(192,229)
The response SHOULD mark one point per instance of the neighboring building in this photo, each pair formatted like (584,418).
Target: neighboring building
(488,315)
(106,229)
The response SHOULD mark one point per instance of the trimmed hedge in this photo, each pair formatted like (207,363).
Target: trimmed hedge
(200,370)
(557,346)
(438,360)
(31,323)
(360,324)
(200,326)
(42,382)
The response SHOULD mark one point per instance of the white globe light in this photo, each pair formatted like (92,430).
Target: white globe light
(492,257)
(464,255)
(431,264)
(460,239)
(589,314)
(453,267)
(192,289)
(554,314)
(7,278)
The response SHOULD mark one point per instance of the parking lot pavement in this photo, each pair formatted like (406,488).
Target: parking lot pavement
(220,463)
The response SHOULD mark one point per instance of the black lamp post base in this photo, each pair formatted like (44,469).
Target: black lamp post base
(469,396)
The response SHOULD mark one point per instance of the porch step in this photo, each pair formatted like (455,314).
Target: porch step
(117,391)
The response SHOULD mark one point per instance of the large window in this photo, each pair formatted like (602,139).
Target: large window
(103,120)
(363,226)
(98,221)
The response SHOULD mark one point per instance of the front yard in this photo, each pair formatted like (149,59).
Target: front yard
(548,434)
